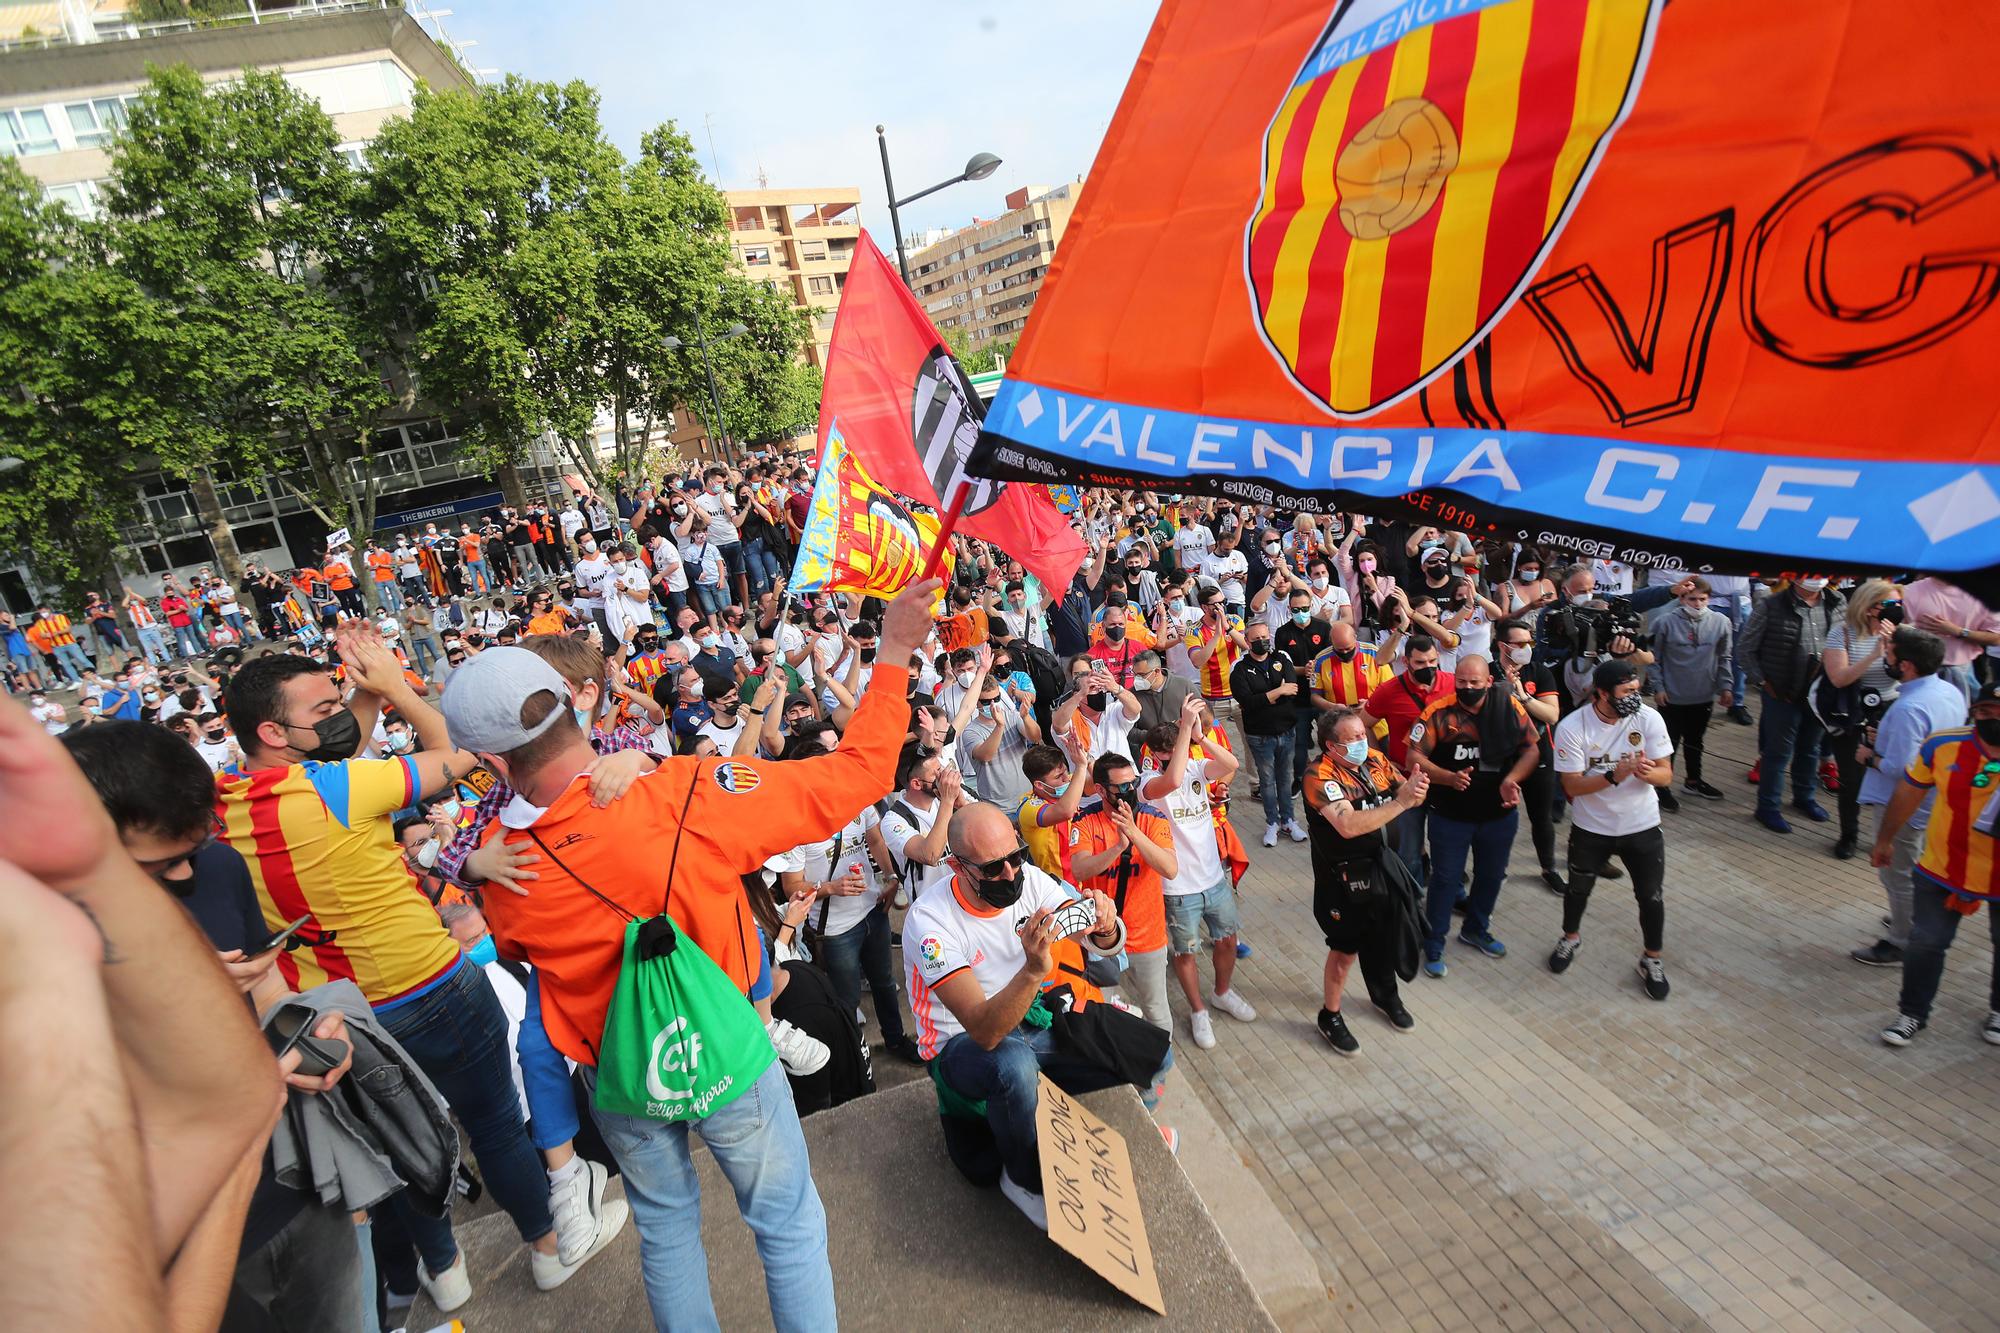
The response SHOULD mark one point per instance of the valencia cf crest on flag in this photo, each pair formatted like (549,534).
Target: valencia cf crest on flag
(1417,172)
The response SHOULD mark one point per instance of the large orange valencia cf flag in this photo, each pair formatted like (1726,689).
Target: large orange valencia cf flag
(909,416)
(1704,284)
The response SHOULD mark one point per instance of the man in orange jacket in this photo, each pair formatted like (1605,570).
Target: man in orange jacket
(722,818)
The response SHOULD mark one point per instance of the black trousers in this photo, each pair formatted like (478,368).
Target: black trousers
(1538,797)
(1843,746)
(1357,923)
(1645,858)
(1687,728)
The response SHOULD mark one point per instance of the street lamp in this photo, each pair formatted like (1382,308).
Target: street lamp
(736,330)
(977,168)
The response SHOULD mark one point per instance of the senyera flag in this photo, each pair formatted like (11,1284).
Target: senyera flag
(858,537)
(1703,284)
(909,415)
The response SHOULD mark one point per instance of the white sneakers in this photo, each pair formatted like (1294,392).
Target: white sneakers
(1203,1028)
(549,1269)
(1238,1008)
(449,1289)
(577,1200)
(1295,830)
(1033,1206)
(801,1052)
(1270,835)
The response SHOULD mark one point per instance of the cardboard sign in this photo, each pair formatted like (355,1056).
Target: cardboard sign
(1092,1198)
(335,539)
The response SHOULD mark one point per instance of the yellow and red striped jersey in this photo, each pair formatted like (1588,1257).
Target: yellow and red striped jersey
(1215,671)
(1956,854)
(317,839)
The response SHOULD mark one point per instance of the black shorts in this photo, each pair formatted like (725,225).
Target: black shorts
(1348,914)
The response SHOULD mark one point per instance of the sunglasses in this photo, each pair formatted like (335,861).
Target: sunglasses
(999,864)
(1986,774)
(159,868)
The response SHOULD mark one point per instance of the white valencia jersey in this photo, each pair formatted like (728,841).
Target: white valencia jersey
(947,931)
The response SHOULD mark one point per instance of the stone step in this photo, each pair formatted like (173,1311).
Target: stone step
(911,1242)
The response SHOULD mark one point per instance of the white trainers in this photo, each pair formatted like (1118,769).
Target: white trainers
(1203,1028)
(578,1205)
(449,1289)
(1270,835)
(1991,1032)
(549,1269)
(802,1053)
(1033,1206)
(1295,830)
(1238,1008)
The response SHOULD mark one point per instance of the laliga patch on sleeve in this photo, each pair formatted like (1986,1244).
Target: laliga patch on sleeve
(737,779)
(1416,732)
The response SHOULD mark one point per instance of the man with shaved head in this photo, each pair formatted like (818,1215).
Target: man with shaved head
(985,945)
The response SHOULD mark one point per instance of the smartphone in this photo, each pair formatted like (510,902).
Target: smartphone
(278,938)
(290,1028)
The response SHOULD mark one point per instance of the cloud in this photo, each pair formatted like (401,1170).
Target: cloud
(797,90)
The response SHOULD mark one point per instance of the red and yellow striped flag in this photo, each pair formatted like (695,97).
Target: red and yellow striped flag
(1424,160)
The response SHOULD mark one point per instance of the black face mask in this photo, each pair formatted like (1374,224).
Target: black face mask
(1260,647)
(868,656)
(1095,701)
(647,645)
(1113,633)
(215,737)
(1425,676)
(1344,654)
(1471,696)
(339,737)
(1988,730)
(1000,892)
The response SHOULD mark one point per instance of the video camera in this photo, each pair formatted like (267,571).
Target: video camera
(1587,631)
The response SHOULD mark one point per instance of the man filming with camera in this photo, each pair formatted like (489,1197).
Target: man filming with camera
(1582,630)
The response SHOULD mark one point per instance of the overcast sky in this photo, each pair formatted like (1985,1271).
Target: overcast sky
(797,89)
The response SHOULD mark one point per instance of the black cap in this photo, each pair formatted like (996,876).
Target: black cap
(1989,693)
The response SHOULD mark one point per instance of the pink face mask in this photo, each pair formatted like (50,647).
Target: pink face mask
(1366,564)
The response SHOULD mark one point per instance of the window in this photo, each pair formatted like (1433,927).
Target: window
(26,132)
(356,155)
(820,286)
(813,252)
(756,254)
(79,197)
(254,537)
(94,122)
(195,550)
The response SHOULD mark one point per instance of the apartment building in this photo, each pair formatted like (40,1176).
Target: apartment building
(67,71)
(982,279)
(802,241)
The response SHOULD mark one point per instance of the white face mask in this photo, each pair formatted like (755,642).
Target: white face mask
(427,855)
(1319,582)
(1522,655)
(1812,585)
(450,809)
(1141,685)
(1581,598)
(965,679)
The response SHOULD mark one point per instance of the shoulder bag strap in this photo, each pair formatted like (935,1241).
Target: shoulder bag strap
(673,860)
(826,903)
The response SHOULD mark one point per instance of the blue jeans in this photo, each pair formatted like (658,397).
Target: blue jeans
(865,949)
(1933,926)
(477,568)
(1409,833)
(389,596)
(1489,842)
(758,1144)
(153,645)
(1188,912)
(544,1076)
(187,640)
(1004,1078)
(457,1034)
(710,598)
(764,567)
(423,654)
(1787,733)
(1274,773)
(1737,608)
(73,661)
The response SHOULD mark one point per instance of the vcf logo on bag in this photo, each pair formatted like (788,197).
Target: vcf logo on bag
(676,1055)
(1419,170)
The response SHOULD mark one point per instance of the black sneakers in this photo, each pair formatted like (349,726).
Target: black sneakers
(1565,954)
(1706,790)
(1334,1028)
(1653,975)
(1554,881)
(1879,954)
(1398,1017)
(1669,802)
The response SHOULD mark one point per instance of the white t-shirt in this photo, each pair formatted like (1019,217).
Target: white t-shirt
(897,832)
(1193,542)
(1586,743)
(1475,639)
(1174,630)
(707,561)
(407,565)
(667,563)
(571,520)
(590,575)
(941,937)
(1109,733)
(1229,570)
(724,737)
(216,754)
(790,638)
(723,530)
(1193,822)
(830,859)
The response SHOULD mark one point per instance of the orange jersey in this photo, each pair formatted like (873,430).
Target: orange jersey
(384,566)
(728,815)
(318,842)
(339,575)
(964,630)
(50,633)
(1144,906)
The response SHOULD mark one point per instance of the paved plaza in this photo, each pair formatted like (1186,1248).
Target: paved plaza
(1550,1152)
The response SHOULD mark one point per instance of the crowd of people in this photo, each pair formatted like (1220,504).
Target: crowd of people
(429,786)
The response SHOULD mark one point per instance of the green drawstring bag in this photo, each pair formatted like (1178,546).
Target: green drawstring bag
(680,1040)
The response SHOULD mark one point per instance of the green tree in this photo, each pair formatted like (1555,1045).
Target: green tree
(976,360)
(229,207)
(83,353)
(767,390)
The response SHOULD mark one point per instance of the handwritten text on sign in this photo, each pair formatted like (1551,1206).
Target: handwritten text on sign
(1092,1199)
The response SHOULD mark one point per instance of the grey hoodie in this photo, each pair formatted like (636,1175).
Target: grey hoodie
(1690,657)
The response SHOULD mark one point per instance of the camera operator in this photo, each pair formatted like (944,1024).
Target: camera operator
(1580,631)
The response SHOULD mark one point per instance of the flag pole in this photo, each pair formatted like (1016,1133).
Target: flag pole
(946,527)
